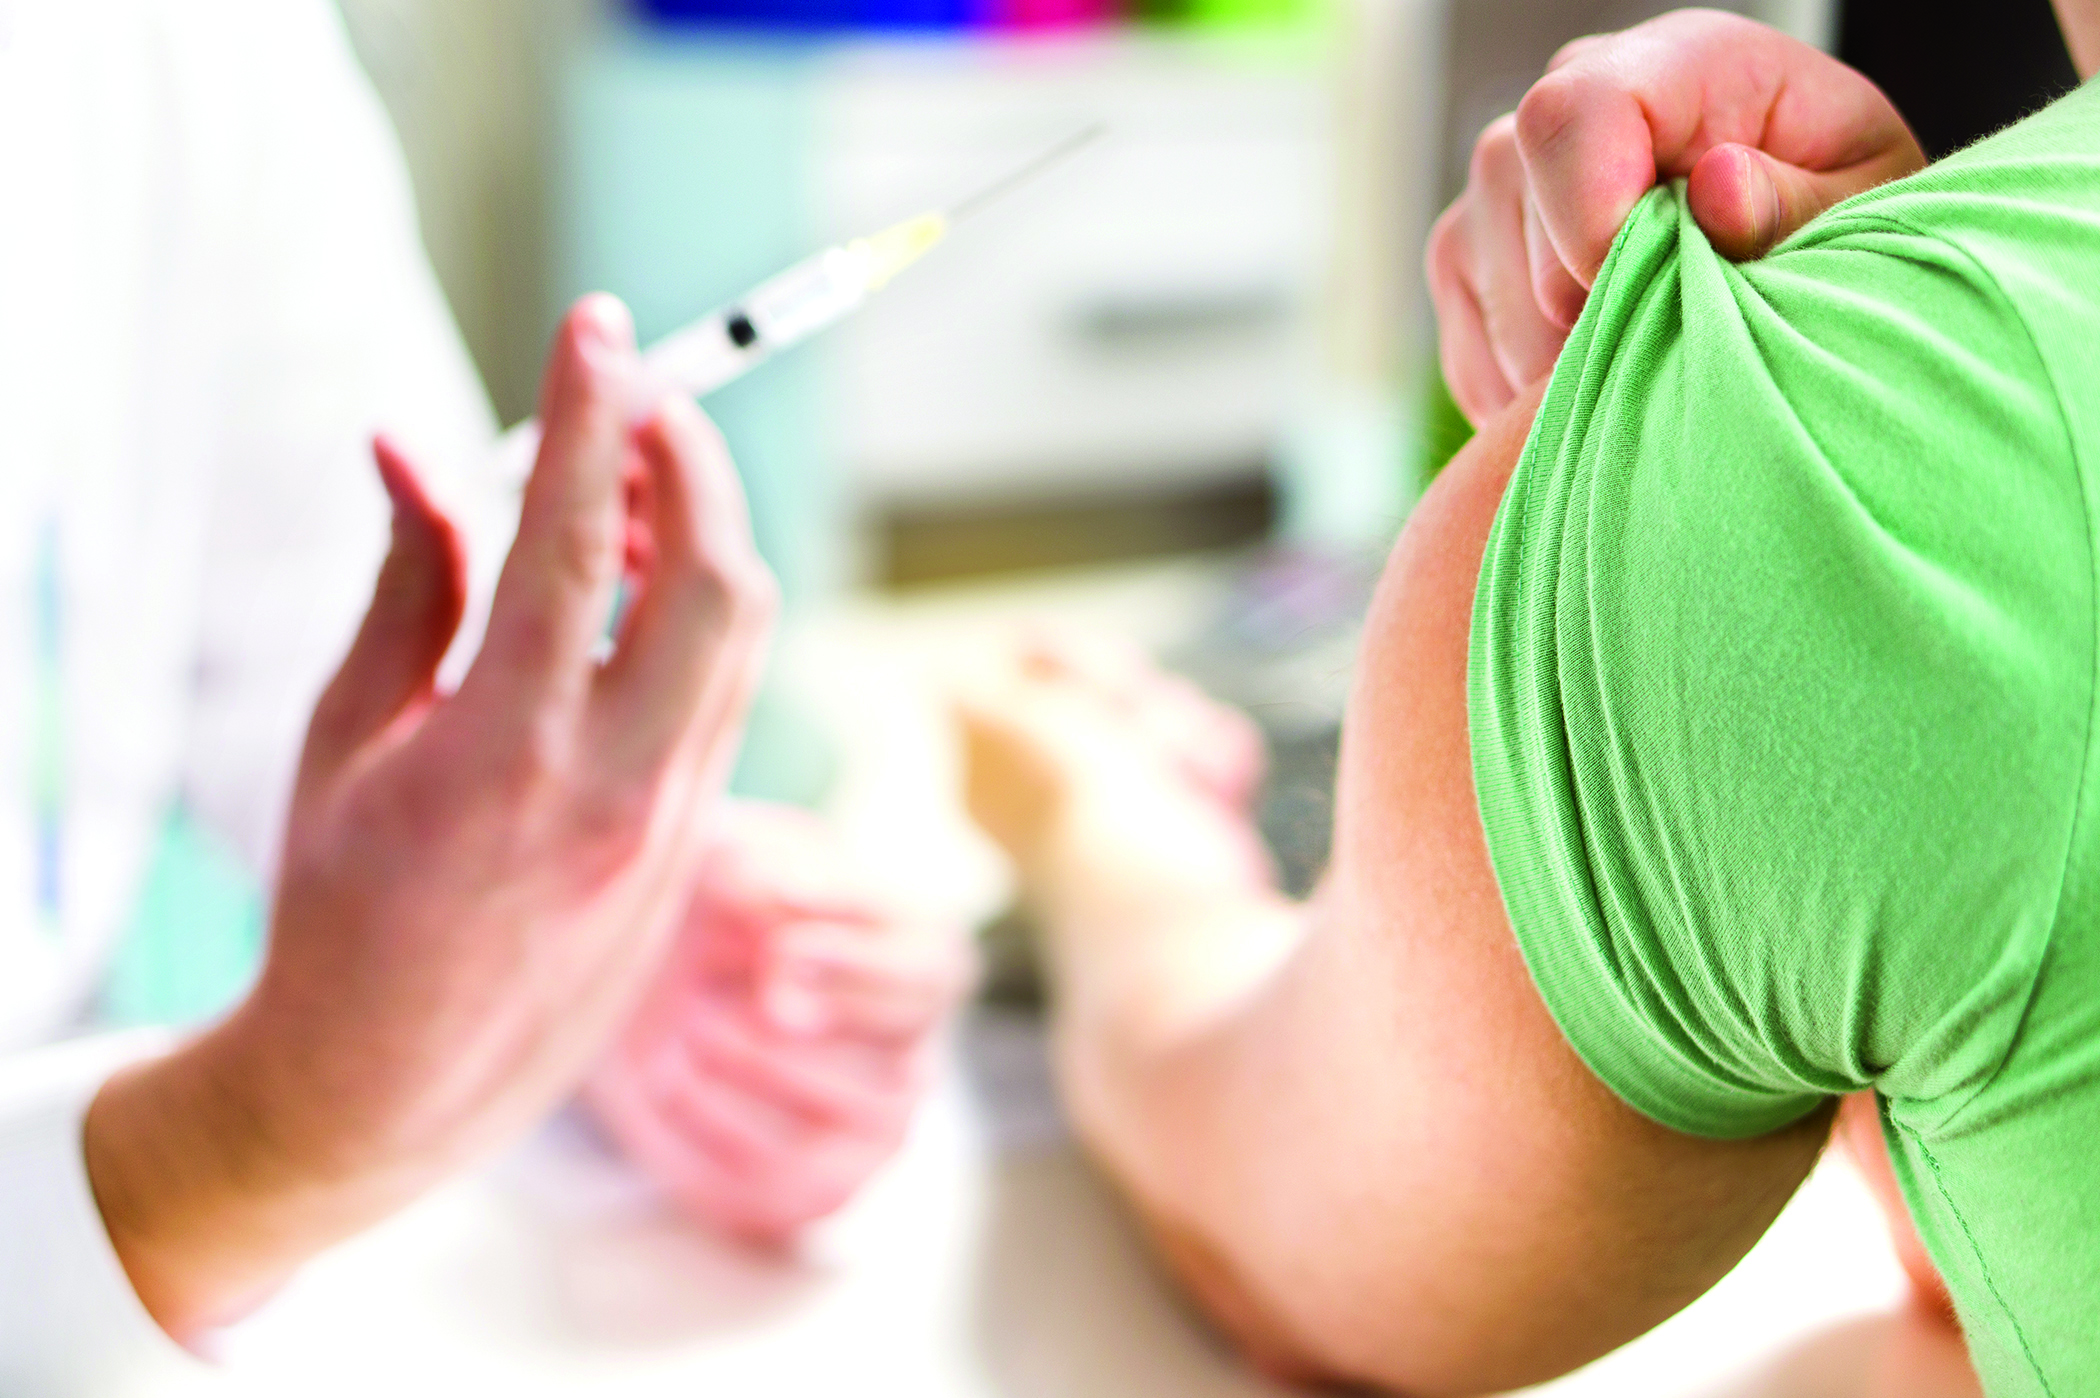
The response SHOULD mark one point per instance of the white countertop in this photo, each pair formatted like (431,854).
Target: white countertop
(988,1261)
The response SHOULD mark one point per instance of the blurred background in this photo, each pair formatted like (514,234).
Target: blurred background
(1183,387)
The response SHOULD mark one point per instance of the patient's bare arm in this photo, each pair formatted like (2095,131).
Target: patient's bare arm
(1353,1126)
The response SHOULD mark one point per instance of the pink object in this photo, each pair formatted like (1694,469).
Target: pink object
(1044,14)
(775,1063)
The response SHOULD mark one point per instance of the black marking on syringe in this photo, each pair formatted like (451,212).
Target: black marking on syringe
(742,333)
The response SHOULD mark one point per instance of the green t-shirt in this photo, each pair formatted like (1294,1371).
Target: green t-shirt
(1782,680)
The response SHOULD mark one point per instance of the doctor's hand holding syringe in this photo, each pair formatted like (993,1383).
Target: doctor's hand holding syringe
(475,886)
(775,1062)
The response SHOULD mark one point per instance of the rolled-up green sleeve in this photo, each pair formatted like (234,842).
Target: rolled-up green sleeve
(1780,672)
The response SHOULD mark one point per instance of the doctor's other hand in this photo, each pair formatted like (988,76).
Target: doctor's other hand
(475,886)
(1768,131)
(776,1060)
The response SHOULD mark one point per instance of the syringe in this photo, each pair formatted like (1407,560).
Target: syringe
(789,307)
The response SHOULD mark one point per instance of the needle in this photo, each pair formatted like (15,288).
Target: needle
(795,304)
(1007,184)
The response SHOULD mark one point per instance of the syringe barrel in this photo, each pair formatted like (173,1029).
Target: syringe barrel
(711,351)
(701,357)
(808,296)
(777,313)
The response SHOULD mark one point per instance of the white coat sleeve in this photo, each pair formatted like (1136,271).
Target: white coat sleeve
(340,331)
(70,1324)
(335,328)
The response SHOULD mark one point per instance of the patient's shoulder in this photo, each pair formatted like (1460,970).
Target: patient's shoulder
(1876,411)
(1911,372)
(2041,171)
(1792,580)
(2008,231)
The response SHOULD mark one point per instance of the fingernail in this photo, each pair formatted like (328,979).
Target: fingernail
(605,327)
(387,457)
(1764,205)
(398,476)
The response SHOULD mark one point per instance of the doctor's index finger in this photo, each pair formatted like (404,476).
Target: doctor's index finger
(1620,112)
(556,590)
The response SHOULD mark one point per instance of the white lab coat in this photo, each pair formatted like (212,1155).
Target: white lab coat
(211,293)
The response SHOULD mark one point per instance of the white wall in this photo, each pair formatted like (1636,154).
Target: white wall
(468,82)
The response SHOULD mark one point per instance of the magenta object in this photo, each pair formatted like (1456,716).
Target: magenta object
(1043,14)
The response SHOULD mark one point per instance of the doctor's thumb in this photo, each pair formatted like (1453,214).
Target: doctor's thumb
(416,609)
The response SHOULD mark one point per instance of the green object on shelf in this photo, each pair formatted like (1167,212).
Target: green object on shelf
(1236,14)
(1444,430)
(196,937)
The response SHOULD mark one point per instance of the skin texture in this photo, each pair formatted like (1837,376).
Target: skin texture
(476,886)
(2081,25)
(774,1064)
(1352,1126)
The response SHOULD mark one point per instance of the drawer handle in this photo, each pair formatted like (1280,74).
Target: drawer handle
(1135,323)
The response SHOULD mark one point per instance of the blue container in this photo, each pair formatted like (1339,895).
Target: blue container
(813,16)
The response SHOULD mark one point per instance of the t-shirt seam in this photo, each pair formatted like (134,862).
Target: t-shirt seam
(1983,1265)
(1895,223)
(1889,222)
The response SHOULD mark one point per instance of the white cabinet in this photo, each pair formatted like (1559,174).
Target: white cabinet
(1141,316)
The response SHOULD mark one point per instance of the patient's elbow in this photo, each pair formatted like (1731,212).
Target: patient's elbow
(1252,1326)
(1341,1341)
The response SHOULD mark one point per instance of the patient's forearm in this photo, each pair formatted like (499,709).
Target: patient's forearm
(1123,797)
(1156,1005)
(1149,1046)
(1157,972)
(1159,925)
(1153,949)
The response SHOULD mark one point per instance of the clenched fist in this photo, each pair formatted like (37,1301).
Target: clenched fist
(1768,131)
